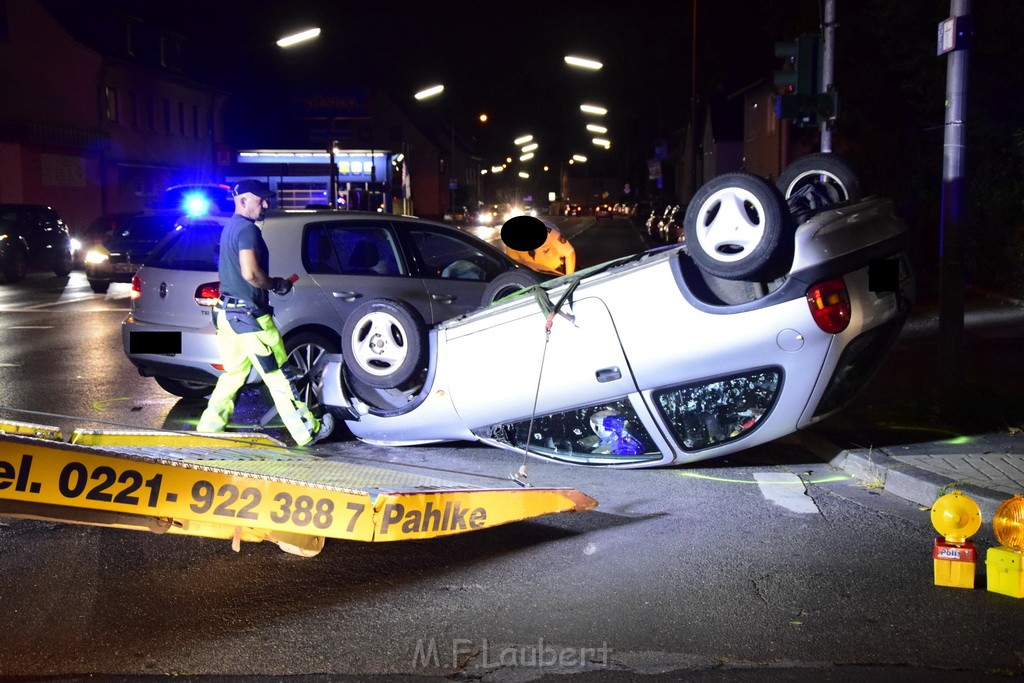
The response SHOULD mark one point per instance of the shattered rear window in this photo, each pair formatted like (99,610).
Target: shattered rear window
(718,410)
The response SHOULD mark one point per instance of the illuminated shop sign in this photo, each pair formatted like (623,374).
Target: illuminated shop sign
(352,166)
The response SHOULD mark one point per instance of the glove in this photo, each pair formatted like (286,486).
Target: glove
(281,286)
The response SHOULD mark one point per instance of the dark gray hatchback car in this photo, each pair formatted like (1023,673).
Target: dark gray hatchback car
(342,259)
(33,236)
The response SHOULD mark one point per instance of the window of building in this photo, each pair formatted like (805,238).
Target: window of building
(167,116)
(195,121)
(181,118)
(110,97)
(133,104)
(150,113)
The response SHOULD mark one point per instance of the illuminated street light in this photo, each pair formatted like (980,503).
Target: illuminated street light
(593,109)
(583,62)
(524,174)
(522,140)
(300,37)
(579,157)
(601,142)
(429,92)
(483,118)
(530,147)
(526,157)
(594,128)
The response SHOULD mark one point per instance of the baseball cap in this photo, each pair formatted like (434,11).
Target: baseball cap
(257,187)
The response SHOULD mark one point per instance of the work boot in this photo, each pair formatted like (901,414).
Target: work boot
(326,427)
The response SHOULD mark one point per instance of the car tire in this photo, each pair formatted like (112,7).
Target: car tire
(826,168)
(99,286)
(63,263)
(184,388)
(510,282)
(306,352)
(738,227)
(384,343)
(16,267)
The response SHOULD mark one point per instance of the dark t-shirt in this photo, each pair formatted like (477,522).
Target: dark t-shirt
(241,233)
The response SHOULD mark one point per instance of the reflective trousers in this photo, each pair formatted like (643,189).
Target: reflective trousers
(264,349)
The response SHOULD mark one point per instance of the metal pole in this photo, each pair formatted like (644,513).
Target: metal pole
(332,201)
(951,267)
(828,37)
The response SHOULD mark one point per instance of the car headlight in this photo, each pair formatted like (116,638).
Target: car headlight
(96,257)
(75,244)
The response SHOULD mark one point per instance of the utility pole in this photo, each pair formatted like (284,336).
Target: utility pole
(953,40)
(828,37)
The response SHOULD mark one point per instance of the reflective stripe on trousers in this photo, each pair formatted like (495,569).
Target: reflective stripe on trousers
(265,350)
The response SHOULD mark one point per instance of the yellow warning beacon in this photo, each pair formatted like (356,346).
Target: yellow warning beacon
(956,517)
(1003,563)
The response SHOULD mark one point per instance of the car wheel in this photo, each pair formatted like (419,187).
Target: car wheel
(738,227)
(63,263)
(830,170)
(306,352)
(16,266)
(99,286)
(184,388)
(383,342)
(510,282)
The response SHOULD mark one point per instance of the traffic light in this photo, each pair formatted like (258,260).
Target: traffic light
(799,83)
(801,74)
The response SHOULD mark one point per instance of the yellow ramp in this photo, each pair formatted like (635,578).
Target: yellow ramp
(245,487)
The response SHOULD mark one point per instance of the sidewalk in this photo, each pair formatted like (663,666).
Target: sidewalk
(906,446)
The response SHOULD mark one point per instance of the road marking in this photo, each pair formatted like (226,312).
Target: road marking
(726,480)
(786,490)
(31,327)
(10,365)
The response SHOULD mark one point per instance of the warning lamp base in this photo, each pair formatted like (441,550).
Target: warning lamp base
(1004,572)
(954,563)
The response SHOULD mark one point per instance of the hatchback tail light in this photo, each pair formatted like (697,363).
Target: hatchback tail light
(830,305)
(207,294)
(136,288)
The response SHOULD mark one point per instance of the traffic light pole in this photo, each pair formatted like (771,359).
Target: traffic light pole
(952,278)
(828,31)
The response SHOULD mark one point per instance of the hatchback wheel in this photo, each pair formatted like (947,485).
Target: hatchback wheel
(16,266)
(99,286)
(63,262)
(509,283)
(830,171)
(738,227)
(306,354)
(384,343)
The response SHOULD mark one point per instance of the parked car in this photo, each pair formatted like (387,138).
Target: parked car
(342,259)
(124,249)
(33,236)
(765,321)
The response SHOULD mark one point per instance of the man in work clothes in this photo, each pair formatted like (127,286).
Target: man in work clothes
(246,333)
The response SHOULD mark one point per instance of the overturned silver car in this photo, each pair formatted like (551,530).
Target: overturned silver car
(772,314)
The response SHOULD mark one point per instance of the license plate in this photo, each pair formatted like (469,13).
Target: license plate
(125,268)
(165,343)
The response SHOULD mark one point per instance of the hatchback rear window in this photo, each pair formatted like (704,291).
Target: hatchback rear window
(192,247)
(145,228)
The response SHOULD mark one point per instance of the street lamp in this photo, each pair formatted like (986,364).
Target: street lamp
(593,109)
(300,37)
(583,62)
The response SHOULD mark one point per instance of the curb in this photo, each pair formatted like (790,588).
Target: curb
(877,467)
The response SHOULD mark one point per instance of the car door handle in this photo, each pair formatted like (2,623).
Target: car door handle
(443,298)
(346,296)
(608,374)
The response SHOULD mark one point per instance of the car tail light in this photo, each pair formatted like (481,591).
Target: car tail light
(208,293)
(830,305)
(136,288)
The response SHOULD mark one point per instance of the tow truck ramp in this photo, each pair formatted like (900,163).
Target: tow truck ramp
(243,487)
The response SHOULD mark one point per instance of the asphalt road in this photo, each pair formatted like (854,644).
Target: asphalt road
(766,563)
